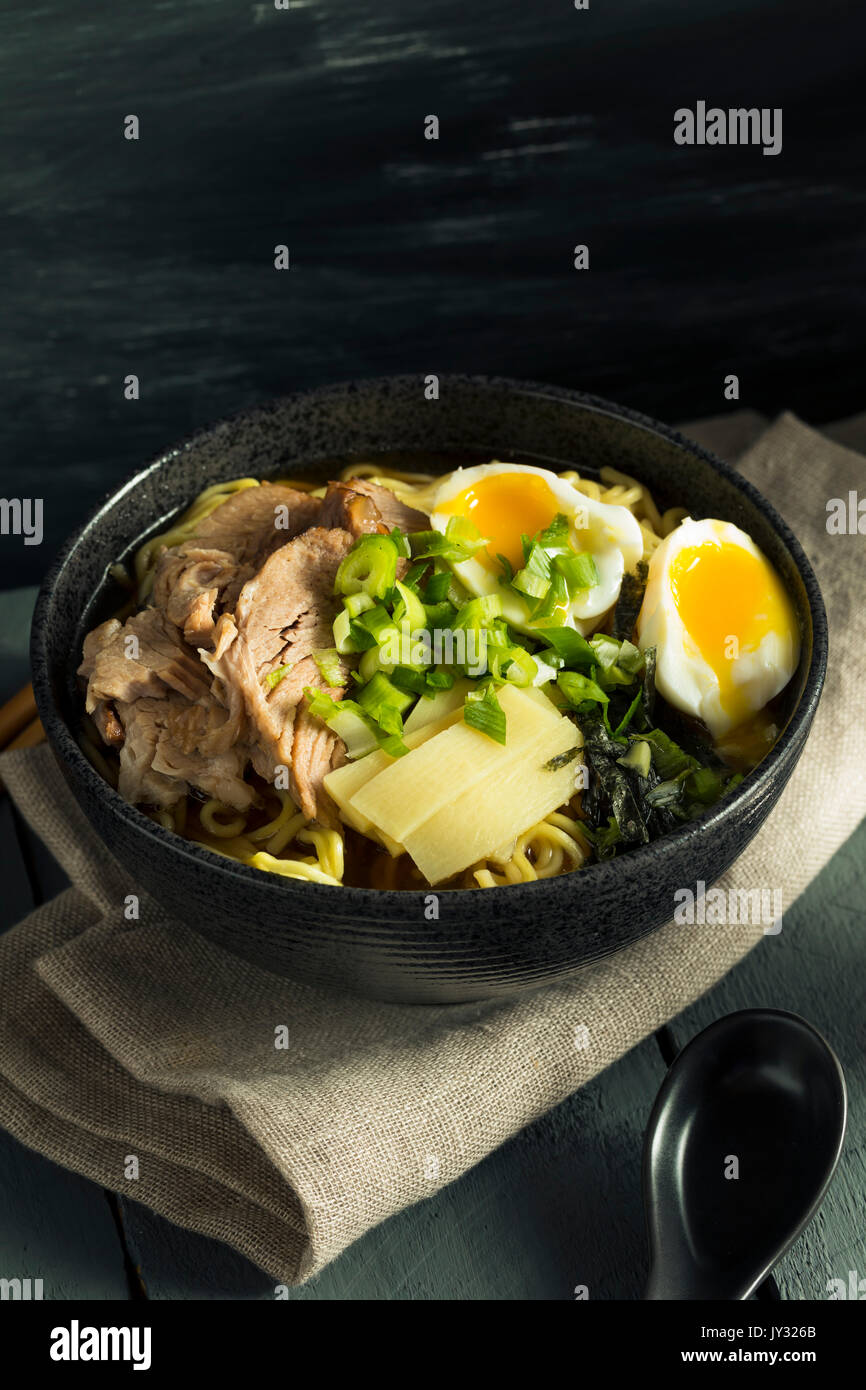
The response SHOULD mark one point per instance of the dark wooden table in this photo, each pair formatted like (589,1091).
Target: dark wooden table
(305,127)
(556,1207)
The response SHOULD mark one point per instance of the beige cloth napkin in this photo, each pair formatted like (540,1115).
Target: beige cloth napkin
(122,1039)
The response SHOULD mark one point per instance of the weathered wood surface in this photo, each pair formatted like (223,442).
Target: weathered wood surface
(305,127)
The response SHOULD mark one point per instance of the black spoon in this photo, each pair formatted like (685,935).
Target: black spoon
(759,1094)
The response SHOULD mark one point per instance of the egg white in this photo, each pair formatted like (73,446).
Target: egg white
(683,677)
(610,534)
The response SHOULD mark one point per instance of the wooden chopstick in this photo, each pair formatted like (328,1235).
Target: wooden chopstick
(16,715)
(28,737)
(20,726)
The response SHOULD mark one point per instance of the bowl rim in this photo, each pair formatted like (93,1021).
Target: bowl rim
(600,874)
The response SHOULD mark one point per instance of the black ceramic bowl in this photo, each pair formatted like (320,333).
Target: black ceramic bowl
(387,945)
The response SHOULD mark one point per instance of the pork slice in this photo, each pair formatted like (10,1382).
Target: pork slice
(392,511)
(165,753)
(110,728)
(351,510)
(316,751)
(251,524)
(145,656)
(187,586)
(95,642)
(103,714)
(283,615)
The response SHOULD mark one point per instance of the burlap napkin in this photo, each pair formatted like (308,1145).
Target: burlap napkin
(123,1040)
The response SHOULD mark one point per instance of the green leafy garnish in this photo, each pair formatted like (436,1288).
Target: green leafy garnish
(274,677)
(328,662)
(482,711)
(369,567)
(460,541)
(579,571)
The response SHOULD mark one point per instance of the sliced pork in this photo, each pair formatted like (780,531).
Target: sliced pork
(165,752)
(202,577)
(351,510)
(187,586)
(392,511)
(251,524)
(210,678)
(144,656)
(265,651)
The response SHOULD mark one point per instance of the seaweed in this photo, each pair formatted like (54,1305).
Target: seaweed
(614,782)
(628,604)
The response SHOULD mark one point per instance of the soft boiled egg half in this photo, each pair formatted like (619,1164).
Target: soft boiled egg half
(724,629)
(509,500)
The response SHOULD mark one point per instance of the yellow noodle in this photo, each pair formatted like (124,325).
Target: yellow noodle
(329,848)
(223,830)
(291,868)
(286,812)
(277,843)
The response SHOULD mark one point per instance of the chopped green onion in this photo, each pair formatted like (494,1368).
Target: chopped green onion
(638,758)
(579,571)
(482,711)
(551,658)
(407,678)
(628,716)
(534,579)
(571,646)
(328,662)
(669,759)
(370,663)
(460,541)
(554,606)
(346,719)
(356,604)
(276,676)
(606,650)
(342,629)
(579,689)
(440,680)
(513,664)
(384,703)
(414,574)
(370,566)
(705,785)
(507,569)
(479,613)
(439,615)
(437,587)
(377,621)
(401,541)
(630,659)
(360,636)
(409,609)
(556,534)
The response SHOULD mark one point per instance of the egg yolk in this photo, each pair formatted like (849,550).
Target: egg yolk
(505,506)
(728,600)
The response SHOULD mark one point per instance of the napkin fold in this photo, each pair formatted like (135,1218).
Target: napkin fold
(142,1056)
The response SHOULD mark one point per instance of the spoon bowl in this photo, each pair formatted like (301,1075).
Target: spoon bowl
(742,1142)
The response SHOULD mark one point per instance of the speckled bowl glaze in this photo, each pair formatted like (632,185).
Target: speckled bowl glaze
(391,945)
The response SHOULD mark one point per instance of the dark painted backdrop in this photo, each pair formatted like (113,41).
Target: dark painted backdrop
(305,127)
